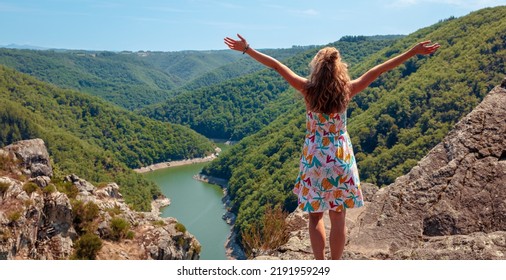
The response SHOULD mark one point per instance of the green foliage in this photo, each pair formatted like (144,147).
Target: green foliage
(180,227)
(237,68)
(84,215)
(136,141)
(116,210)
(87,247)
(30,187)
(8,163)
(49,189)
(66,187)
(120,229)
(130,79)
(130,235)
(4,186)
(14,216)
(118,78)
(5,235)
(158,223)
(393,124)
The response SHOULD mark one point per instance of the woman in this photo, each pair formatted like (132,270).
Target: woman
(328,176)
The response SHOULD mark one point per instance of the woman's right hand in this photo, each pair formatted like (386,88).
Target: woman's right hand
(237,45)
(425,48)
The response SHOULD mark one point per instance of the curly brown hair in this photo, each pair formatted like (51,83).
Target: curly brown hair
(328,87)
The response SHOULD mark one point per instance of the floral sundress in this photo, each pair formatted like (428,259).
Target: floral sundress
(328,175)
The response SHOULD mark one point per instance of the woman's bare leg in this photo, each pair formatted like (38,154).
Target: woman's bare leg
(317,235)
(337,236)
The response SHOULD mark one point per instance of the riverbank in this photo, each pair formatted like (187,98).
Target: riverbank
(212,180)
(233,249)
(175,163)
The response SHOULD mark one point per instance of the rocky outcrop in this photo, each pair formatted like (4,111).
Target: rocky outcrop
(32,157)
(452,205)
(41,219)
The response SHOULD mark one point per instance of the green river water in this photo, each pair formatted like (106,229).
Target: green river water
(195,204)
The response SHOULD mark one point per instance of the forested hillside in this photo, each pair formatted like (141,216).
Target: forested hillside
(128,79)
(240,106)
(118,78)
(392,124)
(239,68)
(133,79)
(89,137)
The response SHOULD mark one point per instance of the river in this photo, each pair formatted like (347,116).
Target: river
(195,204)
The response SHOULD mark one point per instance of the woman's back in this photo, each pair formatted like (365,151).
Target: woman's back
(321,124)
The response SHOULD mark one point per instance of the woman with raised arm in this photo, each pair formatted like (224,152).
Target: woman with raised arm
(328,176)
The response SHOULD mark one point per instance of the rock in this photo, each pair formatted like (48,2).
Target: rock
(37,226)
(229,217)
(84,187)
(109,191)
(233,248)
(33,157)
(368,191)
(41,181)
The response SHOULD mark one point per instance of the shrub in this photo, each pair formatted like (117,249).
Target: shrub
(119,229)
(5,235)
(116,210)
(84,215)
(180,227)
(87,247)
(14,216)
(130,235)
(30,187)
(159,223)
(269,234)
(49,189)
(67,188)
(7,162)
(4,186)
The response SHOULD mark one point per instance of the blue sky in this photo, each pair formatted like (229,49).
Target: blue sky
(201,25)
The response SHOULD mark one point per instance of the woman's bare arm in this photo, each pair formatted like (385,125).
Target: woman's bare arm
(293,79)
(366,79)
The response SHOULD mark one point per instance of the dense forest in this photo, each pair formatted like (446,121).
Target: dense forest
(133,79)
(115,77)
(393,123)
(90,137)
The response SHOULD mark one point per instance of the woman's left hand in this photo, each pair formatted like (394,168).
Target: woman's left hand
(237,45)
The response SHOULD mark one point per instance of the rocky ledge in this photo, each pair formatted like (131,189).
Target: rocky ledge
(45,219)
(452,205)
